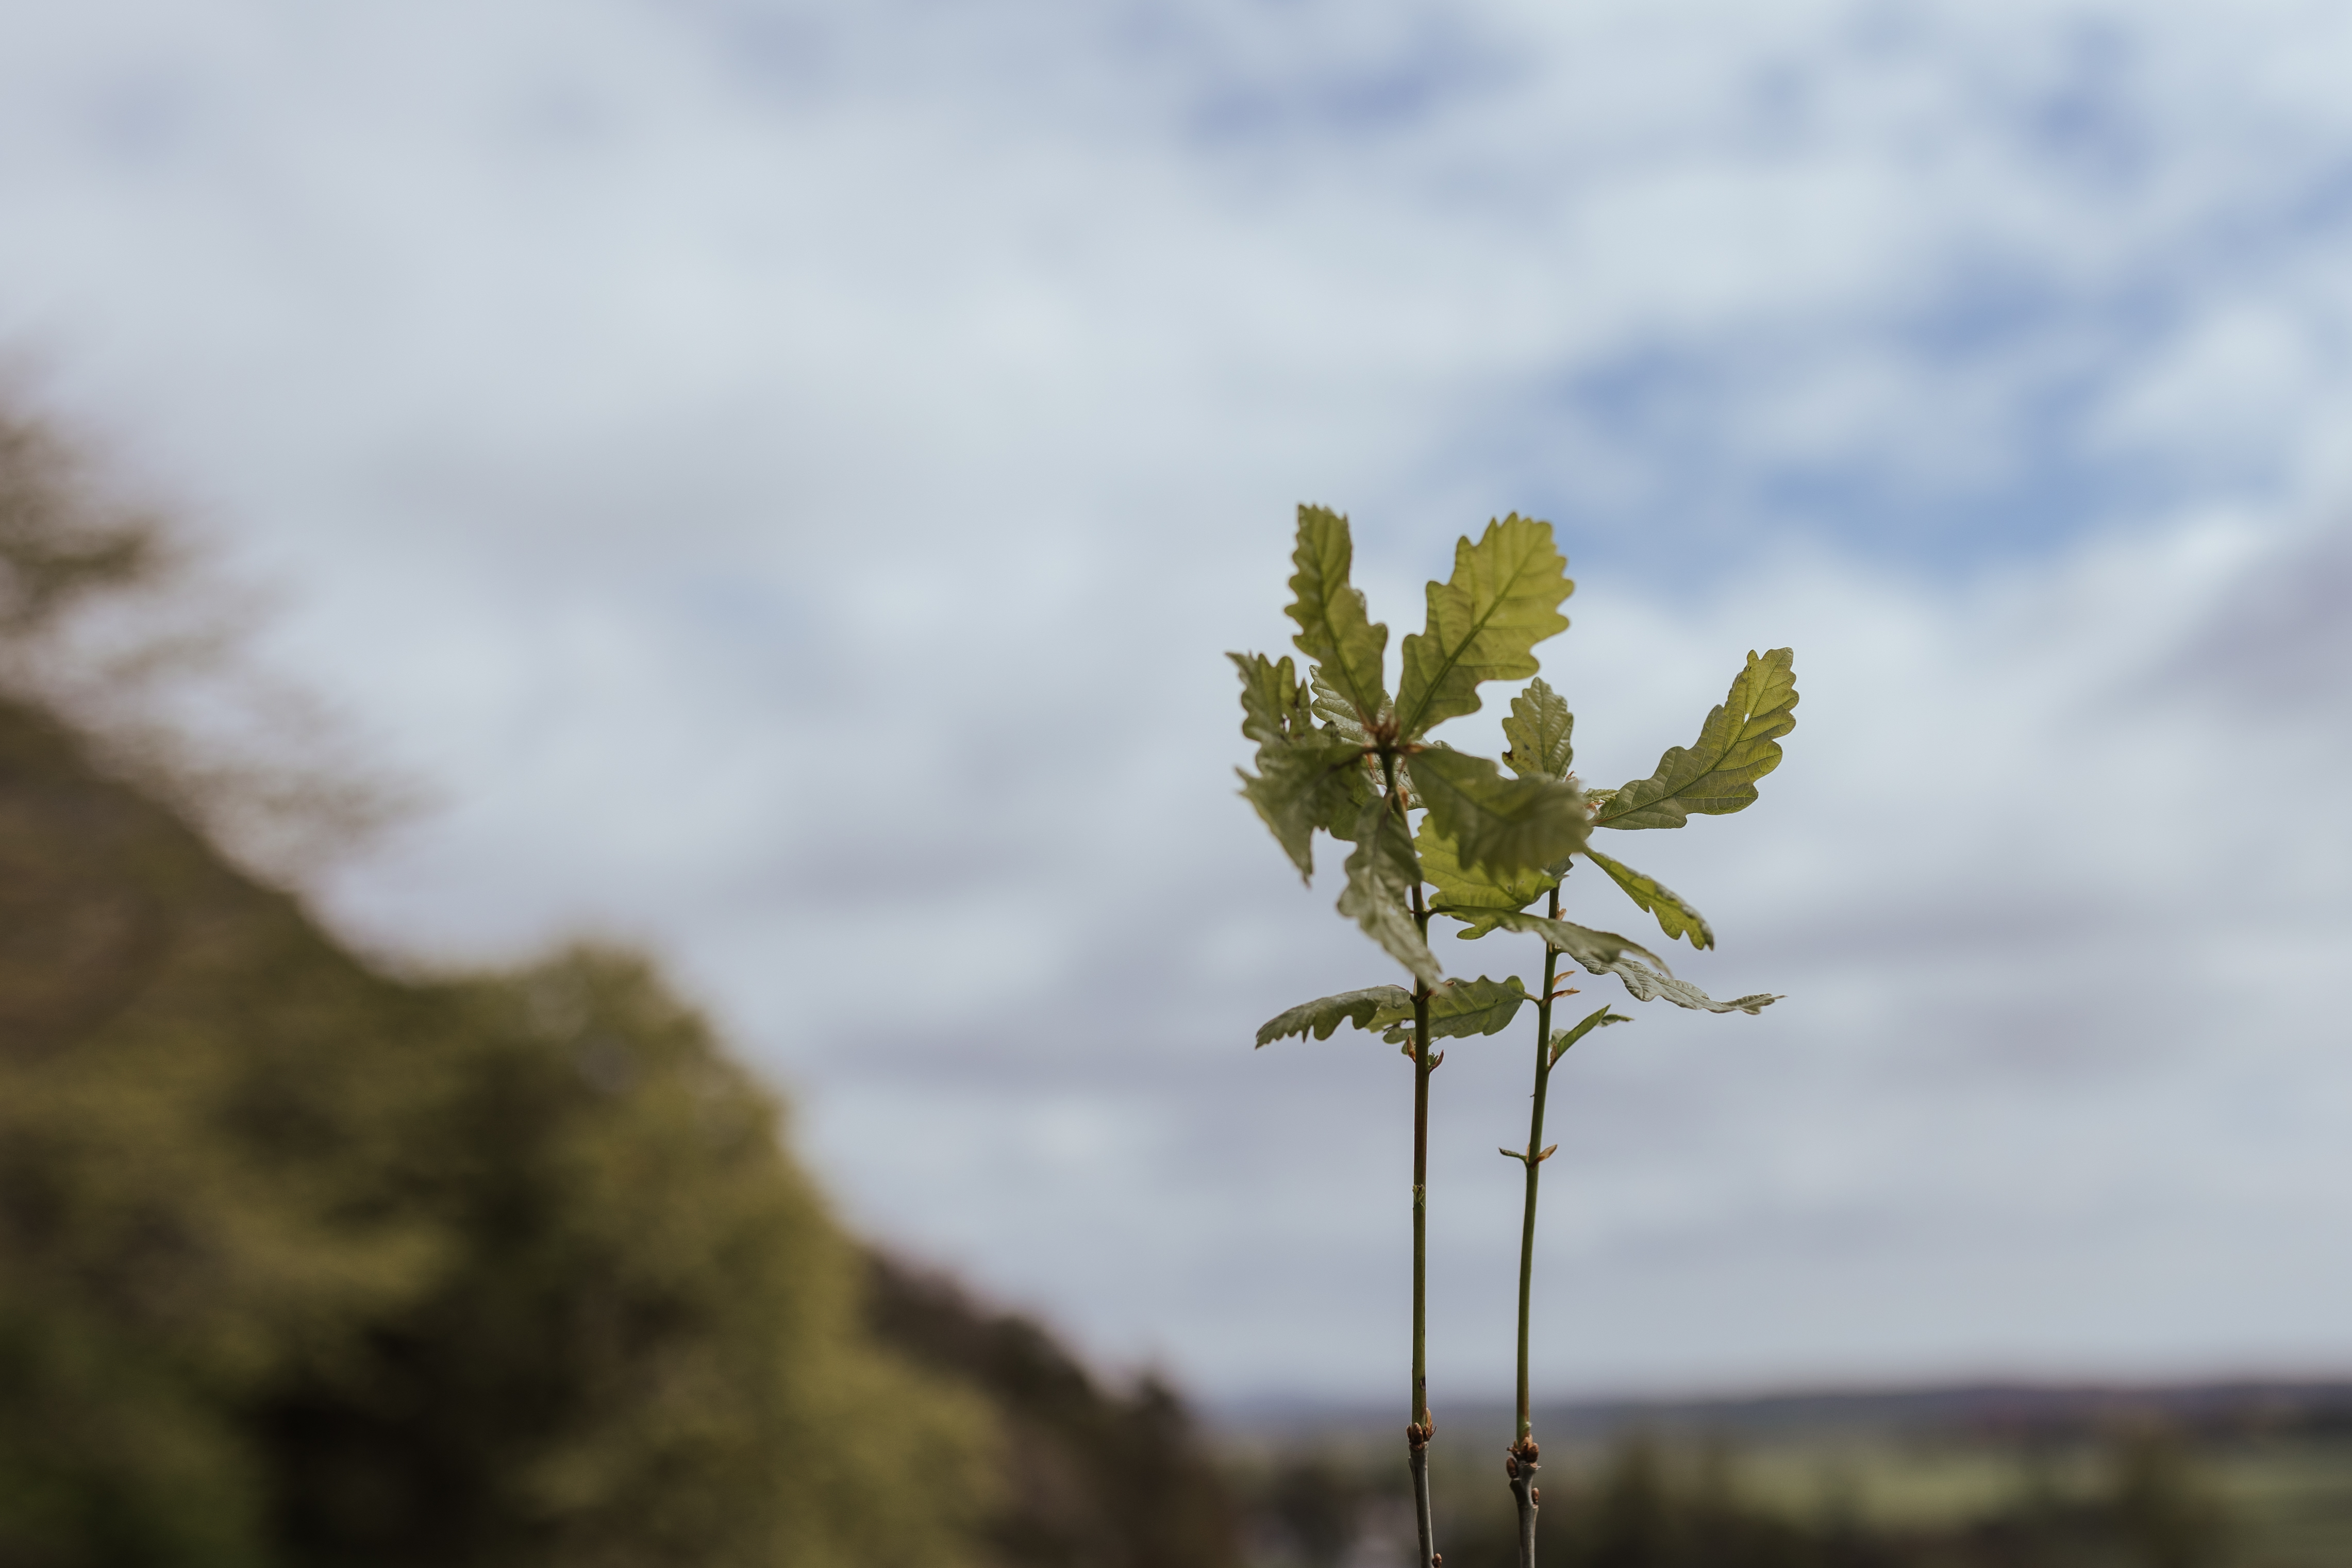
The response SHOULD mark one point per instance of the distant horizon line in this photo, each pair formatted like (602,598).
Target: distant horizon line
(2016,1396)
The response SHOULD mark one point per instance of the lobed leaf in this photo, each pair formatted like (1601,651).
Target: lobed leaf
(1339,721)
(1483,622)
(1459,1008)
(1307,777)
(1606,953)
(1675,916)
(1299,788)
(1335,629)
(1322,1016)
(1648,986)
(1354,788)
(1331,705)
(1499,826)
(1473,896)
(1276,707)
(1596,949)
(1739,744)
(1540,729)
(1382,875)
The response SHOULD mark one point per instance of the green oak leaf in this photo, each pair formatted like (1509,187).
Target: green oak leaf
(1382,876)
(1540,729)
(1458,1008)
(1353,789)
(1339,721)
(1675,916)
(1299,788)
(1648,986)
(1325,1013)
(1582,943)
(1739,744)
(1331,705)
(1606,953)
(1483,622)
(1276,705)
(1335,629)
(1564,1038)
(1307,777)
(1473,896)
(1498,826)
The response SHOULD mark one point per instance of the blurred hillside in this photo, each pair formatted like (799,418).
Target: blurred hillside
(306,1262)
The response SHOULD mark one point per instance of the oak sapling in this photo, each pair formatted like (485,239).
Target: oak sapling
(1337,753)
(1739,743)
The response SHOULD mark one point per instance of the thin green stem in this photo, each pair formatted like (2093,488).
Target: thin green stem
(1419,1428)
(1520,1462)
(1418,1431)
(1534,1162)
(1423,1066)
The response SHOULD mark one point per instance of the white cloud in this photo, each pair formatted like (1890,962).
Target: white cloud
(787,475)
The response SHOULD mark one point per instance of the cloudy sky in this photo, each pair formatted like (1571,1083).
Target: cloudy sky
(782,478)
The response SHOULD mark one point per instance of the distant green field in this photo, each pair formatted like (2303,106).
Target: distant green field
(2248,1478)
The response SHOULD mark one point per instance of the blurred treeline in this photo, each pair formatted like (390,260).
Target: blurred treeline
(307,1262)
(2257,1482)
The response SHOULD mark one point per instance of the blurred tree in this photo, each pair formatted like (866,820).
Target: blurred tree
(1315,1503)
(299,1263)
(196,1129)
(641,1341)
(1631,1519)
(2166,1513)
(1089,1479)
(106,616)
(59,544)
(304,1263)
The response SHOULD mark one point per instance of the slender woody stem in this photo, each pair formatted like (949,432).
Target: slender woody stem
(1519,1461)
(1421,1067)
(1534,1163)
(1419,1428)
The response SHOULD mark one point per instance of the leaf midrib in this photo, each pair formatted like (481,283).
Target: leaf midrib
(1603,817)
(1413,728)
(1339,646)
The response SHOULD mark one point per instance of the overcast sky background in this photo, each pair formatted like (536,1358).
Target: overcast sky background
(785,477)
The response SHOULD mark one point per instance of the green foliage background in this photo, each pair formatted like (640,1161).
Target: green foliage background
(299,1262)
(304,1261)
